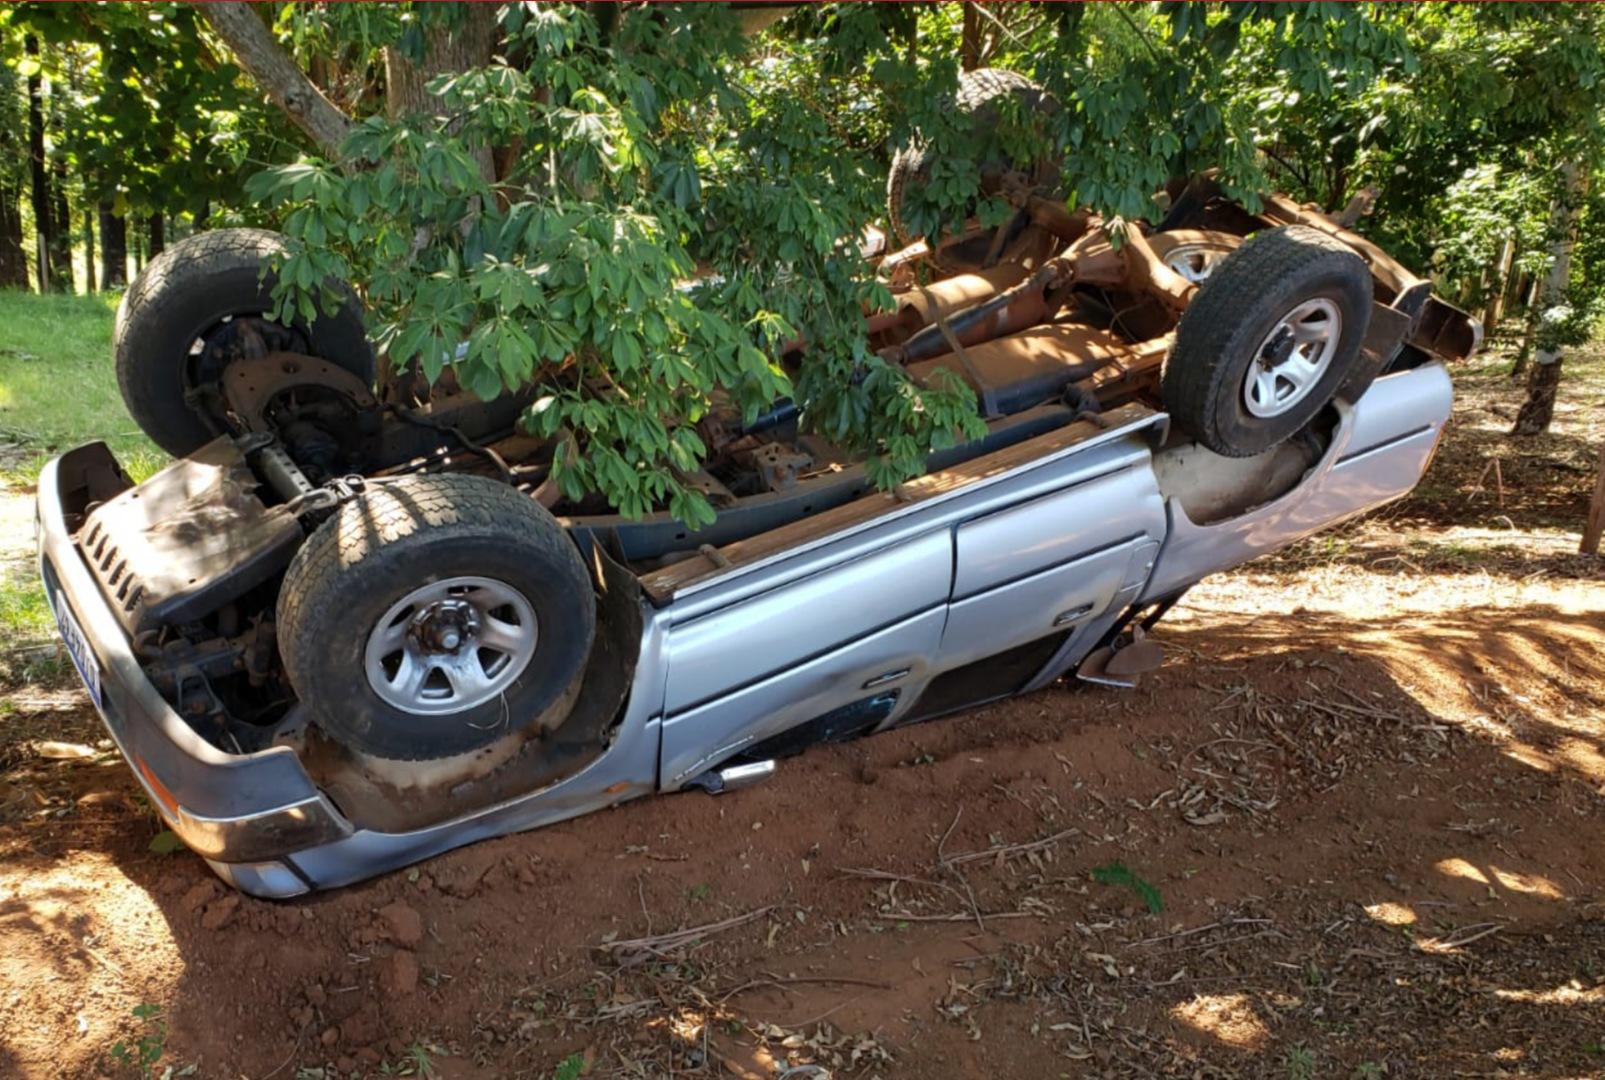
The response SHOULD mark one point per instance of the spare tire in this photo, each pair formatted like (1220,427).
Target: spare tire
(178,325)
(434,615)
(1193,253)
(1268,339)
(978,95)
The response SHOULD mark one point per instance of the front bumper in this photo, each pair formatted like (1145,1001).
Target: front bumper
(241,812)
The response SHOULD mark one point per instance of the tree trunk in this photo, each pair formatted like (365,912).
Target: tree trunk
(61,273)
(158,234)
(89,251)
(1529,332)
(13,259)
(257,52)
(13,256)
(1544,381)
(970,39)
(451,45)
(43,234)
(1501,284)
(1596,512)
(113,249)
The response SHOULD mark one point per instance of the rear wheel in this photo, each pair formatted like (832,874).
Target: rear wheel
(201,303)
(434,615)
(1272,333)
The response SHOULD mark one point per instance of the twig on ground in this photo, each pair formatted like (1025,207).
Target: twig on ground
(294,1050)
(1455,941)
(782,983)
(640,891)
(1006,850)
(1203,930)
(940,843)
(636,950)
(957,916)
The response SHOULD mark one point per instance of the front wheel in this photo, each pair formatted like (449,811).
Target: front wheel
(1273,332)
(434,615)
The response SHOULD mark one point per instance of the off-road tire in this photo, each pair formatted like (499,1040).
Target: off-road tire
(192,288)
(404,533)
(976,91)
(1231,316)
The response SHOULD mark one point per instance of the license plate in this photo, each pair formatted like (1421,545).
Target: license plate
(83,657)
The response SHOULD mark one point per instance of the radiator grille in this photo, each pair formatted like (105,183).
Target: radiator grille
(110,568)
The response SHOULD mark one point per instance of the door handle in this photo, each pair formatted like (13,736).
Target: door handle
(883,679)
(1064,618)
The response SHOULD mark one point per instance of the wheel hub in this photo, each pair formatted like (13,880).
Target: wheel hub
(1293,358)
(446,626)
(1195,262)
(1275,352)
(450,646)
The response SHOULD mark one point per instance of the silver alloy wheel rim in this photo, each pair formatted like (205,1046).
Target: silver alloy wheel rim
(1273,386)
(1196,261)
(450,646)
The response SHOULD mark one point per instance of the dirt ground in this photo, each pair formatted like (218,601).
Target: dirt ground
(1351,829)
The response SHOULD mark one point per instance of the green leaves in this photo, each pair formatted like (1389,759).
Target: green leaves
(165,842)
(1117,873)
(677,209)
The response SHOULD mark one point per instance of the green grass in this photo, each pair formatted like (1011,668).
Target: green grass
(24,615)
(58,387)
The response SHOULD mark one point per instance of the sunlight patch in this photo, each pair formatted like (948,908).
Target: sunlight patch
(86,941)
(1390,913)
(1228,1017)
(1573,993)
(1460,868)
(1585,757)
(1531,884)
(1533,759)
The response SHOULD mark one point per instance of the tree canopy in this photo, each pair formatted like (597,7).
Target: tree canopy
(639,206)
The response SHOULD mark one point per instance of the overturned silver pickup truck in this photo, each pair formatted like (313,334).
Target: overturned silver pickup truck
(355,625)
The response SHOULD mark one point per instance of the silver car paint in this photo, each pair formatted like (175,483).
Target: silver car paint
(776,643)
(1380,449)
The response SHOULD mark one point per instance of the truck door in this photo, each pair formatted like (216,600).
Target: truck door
(1037,581)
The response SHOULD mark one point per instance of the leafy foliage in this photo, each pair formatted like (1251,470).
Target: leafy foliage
(640,209)
(145,114)
(578,268)
(142,1054)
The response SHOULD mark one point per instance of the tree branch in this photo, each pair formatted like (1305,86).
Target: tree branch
(277,73)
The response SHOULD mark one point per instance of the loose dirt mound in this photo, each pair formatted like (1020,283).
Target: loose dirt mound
(1349,830)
